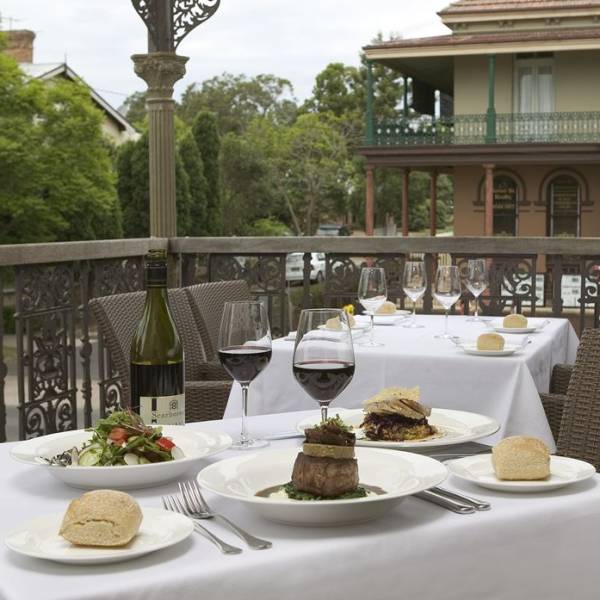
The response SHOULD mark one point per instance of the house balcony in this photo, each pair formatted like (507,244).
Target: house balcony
(485,129)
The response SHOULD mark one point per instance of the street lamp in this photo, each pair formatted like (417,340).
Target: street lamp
(168,22)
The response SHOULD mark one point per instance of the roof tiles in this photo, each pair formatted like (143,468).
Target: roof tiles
(482,6)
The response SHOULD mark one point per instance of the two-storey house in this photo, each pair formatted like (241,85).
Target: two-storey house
(508,103)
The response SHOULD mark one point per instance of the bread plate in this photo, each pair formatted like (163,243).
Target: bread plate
(398,474)
(479,470)
(39,538)
(471,348)
(195,445)
(536,326)
(454,426)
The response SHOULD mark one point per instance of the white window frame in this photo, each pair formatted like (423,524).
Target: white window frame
(535,64)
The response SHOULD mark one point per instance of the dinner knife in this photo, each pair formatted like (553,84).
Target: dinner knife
(452,505)
(477,504)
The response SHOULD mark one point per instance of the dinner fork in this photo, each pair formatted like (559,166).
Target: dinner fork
(174,505)
(198,509)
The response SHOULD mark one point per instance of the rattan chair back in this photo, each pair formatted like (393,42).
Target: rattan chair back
(207,301)
(579,435)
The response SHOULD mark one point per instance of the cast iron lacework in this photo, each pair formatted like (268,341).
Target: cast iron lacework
(187,15)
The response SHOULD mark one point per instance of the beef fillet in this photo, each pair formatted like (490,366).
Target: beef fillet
(325,476)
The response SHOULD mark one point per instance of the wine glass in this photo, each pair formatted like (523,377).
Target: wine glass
(372,293)
(414,284)
(477,283)
(323,362)
(244,352)
(447,292)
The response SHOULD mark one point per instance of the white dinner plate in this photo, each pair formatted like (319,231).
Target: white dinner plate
(471,348)
(399,474)
(479,470)
(398,313)
(455,427)
(534,326)
(355,328)
(194,444)
(39,538)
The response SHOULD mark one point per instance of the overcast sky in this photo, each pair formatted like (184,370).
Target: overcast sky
(288,38)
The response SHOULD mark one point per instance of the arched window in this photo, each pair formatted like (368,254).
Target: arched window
(564,206)
(506,203)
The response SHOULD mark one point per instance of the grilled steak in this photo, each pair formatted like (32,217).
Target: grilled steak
(325,476)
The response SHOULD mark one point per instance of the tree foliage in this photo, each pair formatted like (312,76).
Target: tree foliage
(56,176)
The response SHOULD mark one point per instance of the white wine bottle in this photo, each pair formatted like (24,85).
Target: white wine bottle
(157,373)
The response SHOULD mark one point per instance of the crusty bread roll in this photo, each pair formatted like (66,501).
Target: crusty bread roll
(490,341)
(515,321)
(351,320)
(521,458)
(387,308)
(101,518)
(334,323)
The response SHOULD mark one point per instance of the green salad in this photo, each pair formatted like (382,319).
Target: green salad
(120,439)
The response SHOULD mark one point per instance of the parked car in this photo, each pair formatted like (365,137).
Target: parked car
(294,267)
(332,229)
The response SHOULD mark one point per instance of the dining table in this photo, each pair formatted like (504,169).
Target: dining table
(505,388)
(527,547)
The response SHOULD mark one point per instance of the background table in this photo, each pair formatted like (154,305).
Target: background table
(528,547)
(505,388)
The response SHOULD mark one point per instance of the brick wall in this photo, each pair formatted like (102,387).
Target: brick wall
(20,45)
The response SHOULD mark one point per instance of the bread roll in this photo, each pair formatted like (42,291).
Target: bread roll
(351,320)
(334,323)
(397,401)
(514,322)
(101,518)
(490,341)
(387,308)
(521,458)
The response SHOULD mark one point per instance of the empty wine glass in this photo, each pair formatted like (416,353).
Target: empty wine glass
(372,293)
(323,362)
(477,283)
(244,352)
(414,284)
(446,291)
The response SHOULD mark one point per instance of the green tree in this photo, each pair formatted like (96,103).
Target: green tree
(56,176)
(134,109)
(237,99)
(204,130)
(191,161)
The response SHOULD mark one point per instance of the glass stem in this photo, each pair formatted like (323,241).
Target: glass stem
(446,323)
(414,315)
(323,413)
(372,336)
(476,307)
(244,438)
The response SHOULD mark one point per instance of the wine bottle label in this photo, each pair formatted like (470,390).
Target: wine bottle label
(163,410)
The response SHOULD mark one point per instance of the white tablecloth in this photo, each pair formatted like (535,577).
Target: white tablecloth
(528,547)
(505,388)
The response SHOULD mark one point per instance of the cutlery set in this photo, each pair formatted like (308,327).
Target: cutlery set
(193,505)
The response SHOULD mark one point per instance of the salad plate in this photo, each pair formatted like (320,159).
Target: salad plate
(454,426)
(193,446)
(39,538)
(480,471)
(395,474)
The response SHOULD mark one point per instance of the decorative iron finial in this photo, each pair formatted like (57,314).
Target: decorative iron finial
(169,21)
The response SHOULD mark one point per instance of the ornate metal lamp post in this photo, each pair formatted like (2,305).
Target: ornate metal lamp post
(168,22)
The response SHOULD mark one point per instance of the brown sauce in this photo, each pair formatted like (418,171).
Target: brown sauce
(372,490)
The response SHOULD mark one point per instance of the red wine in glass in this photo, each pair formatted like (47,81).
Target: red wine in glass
(244,363)
(324,380)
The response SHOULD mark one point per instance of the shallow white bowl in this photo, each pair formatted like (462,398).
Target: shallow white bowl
(39,538)
(400,474)
(456,426)
(479,470)
(194,444)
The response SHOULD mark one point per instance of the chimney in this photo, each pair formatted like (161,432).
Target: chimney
(20,45)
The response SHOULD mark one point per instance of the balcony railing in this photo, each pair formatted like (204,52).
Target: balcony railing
(510,128)
(55,373)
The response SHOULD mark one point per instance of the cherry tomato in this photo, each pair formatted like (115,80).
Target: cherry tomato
(118,435)
(165,444)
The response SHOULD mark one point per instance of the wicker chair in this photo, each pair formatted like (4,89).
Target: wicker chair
(207,385)
(207,301)
(579,406)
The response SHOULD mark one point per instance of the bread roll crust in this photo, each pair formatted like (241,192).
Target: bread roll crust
(521,458)
(387,308)
(101,518)
(515,321)
(490,342)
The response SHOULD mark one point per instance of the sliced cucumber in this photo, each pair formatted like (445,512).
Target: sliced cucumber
(131,459)
(143,460)
(177,453)
(90,456)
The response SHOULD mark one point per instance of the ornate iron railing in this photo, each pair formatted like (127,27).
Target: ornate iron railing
(55,373)
(510,128)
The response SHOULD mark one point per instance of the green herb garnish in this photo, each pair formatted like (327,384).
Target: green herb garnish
(295,494)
